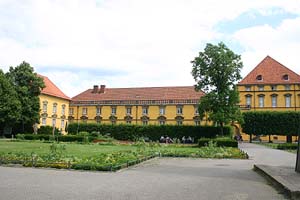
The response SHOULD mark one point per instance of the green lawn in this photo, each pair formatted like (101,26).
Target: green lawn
(98,156)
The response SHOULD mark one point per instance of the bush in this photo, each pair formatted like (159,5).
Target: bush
(220,142)
(153,132)
(47,130)
(285,146)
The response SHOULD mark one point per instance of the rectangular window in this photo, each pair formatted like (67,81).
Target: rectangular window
(274,101)
(162,110)
(248,100)
(63,109)
(287,101)
(248,88)
(145,122)
(261,88)
(128,122)
(54,108)
(197,123)
(261,101)
(196,110)
(53,122)
(62,125)
(44,121)
(45,107)
(273,87)
(98,110)
(113,110)
(84,111)
(128,110)
(287,87)
(145,110)
(179,110)
(113,122)
(71,111)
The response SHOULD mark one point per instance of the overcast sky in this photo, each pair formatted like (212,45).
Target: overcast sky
(134,43)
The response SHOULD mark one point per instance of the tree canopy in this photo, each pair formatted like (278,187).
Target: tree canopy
(216,71)
(21,88)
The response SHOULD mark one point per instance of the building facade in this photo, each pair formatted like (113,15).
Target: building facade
(54,106)
(141,106)
(270,86)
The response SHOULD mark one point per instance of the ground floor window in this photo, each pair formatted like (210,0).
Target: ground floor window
(44,121)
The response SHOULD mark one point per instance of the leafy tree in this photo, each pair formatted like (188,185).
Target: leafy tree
(28,88)
(10,105)
(216,70)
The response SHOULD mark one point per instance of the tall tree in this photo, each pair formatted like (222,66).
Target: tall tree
(216,71)
(28,87)
(10,105)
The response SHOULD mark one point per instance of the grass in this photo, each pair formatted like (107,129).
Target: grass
(98,156)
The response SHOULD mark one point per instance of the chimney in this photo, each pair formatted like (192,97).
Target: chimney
(102,89)
(95,89)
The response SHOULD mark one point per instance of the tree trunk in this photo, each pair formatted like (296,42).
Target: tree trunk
(289,138)
(250,139)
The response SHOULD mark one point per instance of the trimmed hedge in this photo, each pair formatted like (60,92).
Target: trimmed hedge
(153,132)
(47,130)
(220,142)
(61,138)
(271,122)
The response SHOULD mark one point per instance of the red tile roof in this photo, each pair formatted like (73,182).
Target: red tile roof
(272,72)
(51,89)
(143,93)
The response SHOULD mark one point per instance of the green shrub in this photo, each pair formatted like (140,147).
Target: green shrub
(219,142)
(60,138)
(290,146)
(47,130)
(153,132)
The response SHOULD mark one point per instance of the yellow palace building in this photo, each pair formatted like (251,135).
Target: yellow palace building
(270,86)
(54,106)
(142,106)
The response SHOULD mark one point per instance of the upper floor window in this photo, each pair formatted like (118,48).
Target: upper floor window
(54,108)
(259,77)
(274,101)
(248,100)
(179,110)
(287,100)
(145,110)
(261,100)
(98,110)
(260,88)
(63,109)
(44,121)
(248,88)
(287,87)
(196,110)
(285,77)
(128,111)
(113,110)
(162,110)
(84,111)
(273,87)
(45,103)
(71,111)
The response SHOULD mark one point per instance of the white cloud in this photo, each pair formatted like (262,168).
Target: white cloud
(152,41)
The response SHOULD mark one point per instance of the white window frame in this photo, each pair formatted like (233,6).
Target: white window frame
(274,101)
(84,111)
(261,101)
(54,122)
(71,111)
(288,101)
(62,124)
(261,88)
(44,121)
(273,87)
(98,110)
(179,110)
(248,88)
(128,110)
(45,106)
(162,110)
(287,87)
(63,109)
(113,110)
(197,123)
(145,110)
(54,110)
(248,100)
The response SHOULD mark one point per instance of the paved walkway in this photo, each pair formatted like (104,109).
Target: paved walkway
(277,166)
(267,156)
